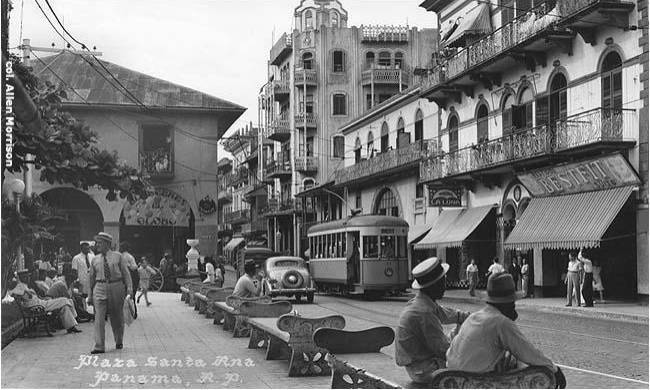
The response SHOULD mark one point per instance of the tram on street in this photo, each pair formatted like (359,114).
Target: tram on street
(363,254)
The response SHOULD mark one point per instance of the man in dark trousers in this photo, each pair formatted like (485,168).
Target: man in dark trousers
(515,271)
(588,278)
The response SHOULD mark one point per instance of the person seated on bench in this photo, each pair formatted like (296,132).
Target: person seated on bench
(421,343)
(248,285)
(489,338)
(60,289)
(27,298)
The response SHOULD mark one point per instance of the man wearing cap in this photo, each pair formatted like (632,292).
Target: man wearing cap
(421,343)
(110,282)
(489,336)
(248,285)
(81,264)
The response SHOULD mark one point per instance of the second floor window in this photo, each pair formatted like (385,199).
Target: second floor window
(419,125)
(384,137)
(384,59)
(357,151)
(453,134)
(338,61)
(612,81)
(399,60)
(338,147)
(370,59)
(307,60)
(482,124)
(339,104)
(156,150)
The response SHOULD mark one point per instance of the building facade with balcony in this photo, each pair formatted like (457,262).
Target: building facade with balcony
(380,167)
(173,141)
(321,75)
(541,107)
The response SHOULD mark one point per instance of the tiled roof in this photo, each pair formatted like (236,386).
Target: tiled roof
(153,92)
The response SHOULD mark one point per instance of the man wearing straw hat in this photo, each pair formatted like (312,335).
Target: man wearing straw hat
(489,339)
(110,283)
(421,343)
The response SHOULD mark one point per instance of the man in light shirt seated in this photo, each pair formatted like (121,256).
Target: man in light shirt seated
(489,338)
(249,284)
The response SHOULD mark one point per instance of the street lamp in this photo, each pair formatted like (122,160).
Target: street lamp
(16,187)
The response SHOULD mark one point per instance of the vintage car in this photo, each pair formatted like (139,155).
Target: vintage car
(289,277)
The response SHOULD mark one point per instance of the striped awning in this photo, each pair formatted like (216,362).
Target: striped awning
(475,22)
(465,225)
(442,224)
(568,221)
(416,233)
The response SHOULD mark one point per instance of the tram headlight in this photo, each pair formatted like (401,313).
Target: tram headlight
(388,272)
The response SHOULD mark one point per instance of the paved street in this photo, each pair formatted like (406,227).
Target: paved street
(595,353)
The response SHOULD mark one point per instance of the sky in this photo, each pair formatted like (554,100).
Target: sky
(220,47)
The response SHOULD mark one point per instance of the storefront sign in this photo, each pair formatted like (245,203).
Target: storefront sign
(161,208)
(595,174)
(444,197)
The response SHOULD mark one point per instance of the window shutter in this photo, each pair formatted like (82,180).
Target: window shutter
(518,117)
(541,116)
(507,121)
(529,115)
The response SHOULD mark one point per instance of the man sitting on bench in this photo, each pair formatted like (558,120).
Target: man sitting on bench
(421,343)
(248,285)
(489,339)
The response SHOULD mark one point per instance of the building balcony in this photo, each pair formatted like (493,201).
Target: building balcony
(237,217)
(385,164)
(305,77)
(384,34)
(588,133)
(224,195)
(277,207)
(281,89)
(240,177)
(307,120)
(281,49)
(157,164)
(386,76)
(278,169)
(280,130)
(525,40)
(257,225)
(252,157)
(306,164)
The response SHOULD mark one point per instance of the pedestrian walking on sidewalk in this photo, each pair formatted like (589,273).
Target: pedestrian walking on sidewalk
(110,284)
(598,281)
(125,247)
(472,276)
(573,280)
(524,277)
(588,279)
(145,272)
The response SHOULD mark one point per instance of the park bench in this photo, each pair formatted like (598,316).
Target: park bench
(355,356)
(36,318)
(290,337)
(252,310)
(188,289)
(201,290)
(228,313)
(214,293)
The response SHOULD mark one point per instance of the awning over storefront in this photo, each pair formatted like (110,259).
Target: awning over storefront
(416,233)
(465,225)
(232,244)
(568,221)
(475,22)
(443,223)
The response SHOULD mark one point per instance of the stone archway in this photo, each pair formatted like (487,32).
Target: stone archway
(387,202)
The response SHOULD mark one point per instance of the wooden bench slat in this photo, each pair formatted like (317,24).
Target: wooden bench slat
(338,341)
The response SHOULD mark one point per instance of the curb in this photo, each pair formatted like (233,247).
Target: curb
(586,313)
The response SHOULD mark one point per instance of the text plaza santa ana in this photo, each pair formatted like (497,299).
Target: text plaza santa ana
(325,194)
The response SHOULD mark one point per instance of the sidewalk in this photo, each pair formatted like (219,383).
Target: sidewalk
(611,309)
(169,345)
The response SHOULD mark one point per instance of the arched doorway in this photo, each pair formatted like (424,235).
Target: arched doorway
(387,204)
(78,218)
(162,221)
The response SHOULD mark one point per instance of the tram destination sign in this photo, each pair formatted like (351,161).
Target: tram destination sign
(589,175)
(445,197)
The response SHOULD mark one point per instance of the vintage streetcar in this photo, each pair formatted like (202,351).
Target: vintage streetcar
(363,254)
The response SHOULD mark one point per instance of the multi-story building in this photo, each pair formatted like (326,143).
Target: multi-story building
(321,75)
(384,148)
(542,136)
(173,141)
(224,202)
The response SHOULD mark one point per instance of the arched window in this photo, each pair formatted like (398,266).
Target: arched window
(482,132)
(338,61)
(384,137)
(370,59)
(335,19)
(357,151)
(403,138)
(307,60)
(387,204)
(338,147)
(309,21)
(384,59)
(399,60)
(371,145)
(308,183)
(419,125)
(557,99)
(506,110)
(452,126)
(612,82)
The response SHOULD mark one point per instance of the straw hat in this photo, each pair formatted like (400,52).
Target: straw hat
(428,272)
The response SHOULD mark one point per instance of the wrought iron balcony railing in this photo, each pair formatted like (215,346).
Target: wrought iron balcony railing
(384,33)
(385,76)
(576,131)
(157,163)
(382,163)
(305,76)
(281,48)
(308,119)
(306,163)
(237,216)
(281,87)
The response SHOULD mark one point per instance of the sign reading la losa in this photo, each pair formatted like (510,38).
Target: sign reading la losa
(589,175)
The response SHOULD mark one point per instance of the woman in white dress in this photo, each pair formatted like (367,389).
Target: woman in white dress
(598,282)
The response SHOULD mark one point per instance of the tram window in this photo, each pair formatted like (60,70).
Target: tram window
(401,246)
(370,246)
(387,246)
(344,252)
(320,246)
